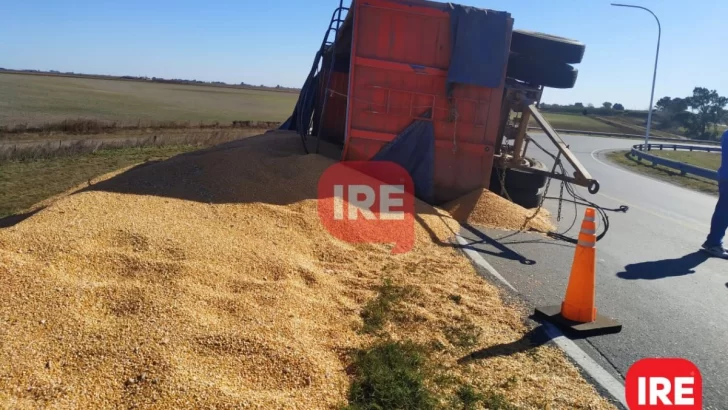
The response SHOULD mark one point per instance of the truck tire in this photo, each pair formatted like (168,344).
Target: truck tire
(547,73)
(548,47)
(527,199)
(517,180)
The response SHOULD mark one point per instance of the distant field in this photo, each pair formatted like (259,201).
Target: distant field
(633,125)
(577,122)
(36,100)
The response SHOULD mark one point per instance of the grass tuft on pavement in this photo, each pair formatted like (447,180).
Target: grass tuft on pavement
(390,375)
(382,308)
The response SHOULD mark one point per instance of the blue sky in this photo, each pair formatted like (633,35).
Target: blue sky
(273,42)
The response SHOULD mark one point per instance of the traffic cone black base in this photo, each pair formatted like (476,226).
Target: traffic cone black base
(577,314)
(601,326)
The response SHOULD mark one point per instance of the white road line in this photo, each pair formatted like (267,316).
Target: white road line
(613,386)
(663,214)
(475,256)
(633,173)
(594,157)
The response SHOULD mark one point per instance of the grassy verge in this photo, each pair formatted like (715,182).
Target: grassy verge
(668,174)
(24,183)
(709,160)
(390,375)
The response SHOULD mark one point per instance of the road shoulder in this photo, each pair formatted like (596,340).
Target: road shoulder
(594,366)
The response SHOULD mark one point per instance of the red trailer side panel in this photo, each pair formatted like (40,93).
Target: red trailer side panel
(333,122)
(399,62)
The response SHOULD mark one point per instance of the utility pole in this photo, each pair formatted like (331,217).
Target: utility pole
(654,75)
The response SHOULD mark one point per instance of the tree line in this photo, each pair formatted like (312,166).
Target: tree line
(700,114)
(607,108)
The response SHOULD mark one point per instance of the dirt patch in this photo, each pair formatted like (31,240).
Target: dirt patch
(484,208)
(207,281)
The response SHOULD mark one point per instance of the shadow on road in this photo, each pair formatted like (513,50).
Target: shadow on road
(502,250)
(664,268)
(534,338)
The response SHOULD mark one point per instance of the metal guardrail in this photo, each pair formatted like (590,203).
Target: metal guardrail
(638,151)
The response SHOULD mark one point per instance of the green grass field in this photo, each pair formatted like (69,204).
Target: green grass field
(576,122)
(701,159)
(25,183)
(36,100)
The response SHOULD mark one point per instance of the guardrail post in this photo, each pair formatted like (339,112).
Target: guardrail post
(638,152)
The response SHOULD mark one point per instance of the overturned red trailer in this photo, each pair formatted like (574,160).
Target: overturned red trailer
(444,90)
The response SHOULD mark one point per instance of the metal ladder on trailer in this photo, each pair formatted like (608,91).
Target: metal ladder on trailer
(303,124)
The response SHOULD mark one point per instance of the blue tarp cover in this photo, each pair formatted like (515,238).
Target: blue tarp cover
(303,111)
(479,41)
(414,150)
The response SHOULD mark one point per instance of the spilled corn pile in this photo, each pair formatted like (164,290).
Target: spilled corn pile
(484,208)
(207,281)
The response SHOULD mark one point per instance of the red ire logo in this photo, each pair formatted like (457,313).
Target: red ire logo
(368,202)
(664,384)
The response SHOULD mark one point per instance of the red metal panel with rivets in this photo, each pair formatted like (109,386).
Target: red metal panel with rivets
(333,122)
(399,62)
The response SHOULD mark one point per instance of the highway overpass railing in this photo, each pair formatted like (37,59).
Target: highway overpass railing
(638,151)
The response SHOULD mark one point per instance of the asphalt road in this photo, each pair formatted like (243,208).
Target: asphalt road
(671,299)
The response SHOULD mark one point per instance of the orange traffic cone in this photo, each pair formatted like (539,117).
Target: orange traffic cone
(579,303)
(578,312)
